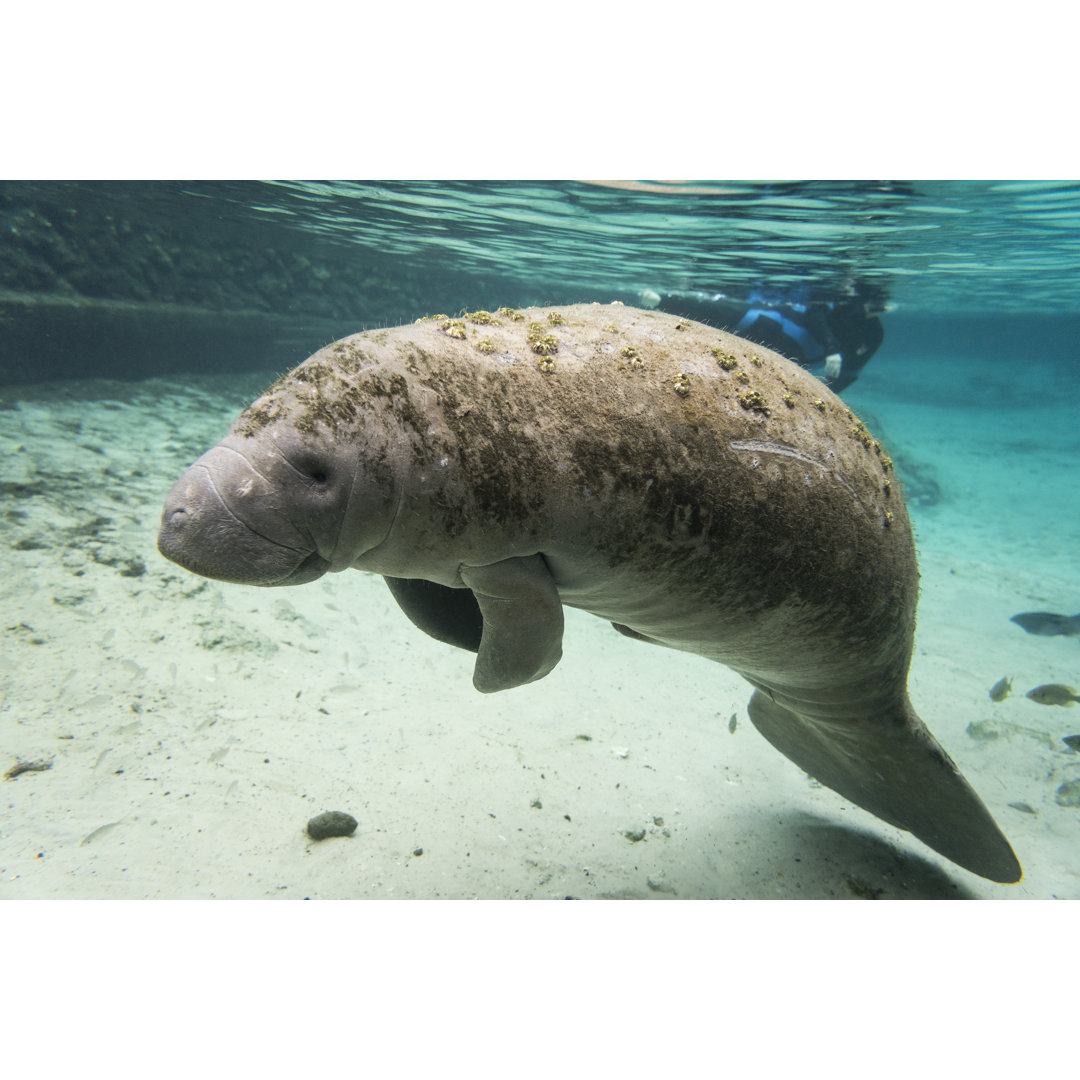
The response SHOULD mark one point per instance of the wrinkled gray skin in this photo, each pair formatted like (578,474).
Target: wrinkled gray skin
(696,491)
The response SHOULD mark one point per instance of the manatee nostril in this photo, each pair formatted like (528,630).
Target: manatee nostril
(177,517)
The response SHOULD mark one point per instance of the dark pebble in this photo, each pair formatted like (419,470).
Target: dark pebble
(332,823)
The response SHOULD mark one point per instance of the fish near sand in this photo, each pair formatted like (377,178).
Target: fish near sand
(696,491)
(1047,624)
(1054,694)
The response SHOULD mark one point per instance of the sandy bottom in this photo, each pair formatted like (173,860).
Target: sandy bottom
(191,728)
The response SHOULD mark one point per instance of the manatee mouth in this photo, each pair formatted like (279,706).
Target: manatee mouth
(200,533)
(314,566)
(255,561)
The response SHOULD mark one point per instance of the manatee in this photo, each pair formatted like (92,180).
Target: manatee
(694,490)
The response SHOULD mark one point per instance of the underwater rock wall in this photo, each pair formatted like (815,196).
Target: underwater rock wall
(130,279)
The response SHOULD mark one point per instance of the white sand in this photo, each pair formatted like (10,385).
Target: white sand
(193,727)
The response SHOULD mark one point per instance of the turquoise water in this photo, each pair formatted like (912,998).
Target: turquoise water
(979,247)
(937,247)
(125,308)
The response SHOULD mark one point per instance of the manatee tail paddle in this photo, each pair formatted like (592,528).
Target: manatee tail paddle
(892,766)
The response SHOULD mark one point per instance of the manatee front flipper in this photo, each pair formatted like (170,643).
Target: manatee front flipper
(449,615)
(523,622)
(892,766)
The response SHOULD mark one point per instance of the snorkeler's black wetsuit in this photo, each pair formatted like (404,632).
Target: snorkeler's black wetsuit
(804,332)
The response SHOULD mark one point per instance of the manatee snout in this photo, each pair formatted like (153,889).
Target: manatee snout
(221,521)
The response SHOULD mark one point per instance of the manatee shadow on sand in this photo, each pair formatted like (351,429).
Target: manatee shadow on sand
(870,868)
(802,857)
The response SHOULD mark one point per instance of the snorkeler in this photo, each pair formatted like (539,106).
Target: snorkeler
(842,334)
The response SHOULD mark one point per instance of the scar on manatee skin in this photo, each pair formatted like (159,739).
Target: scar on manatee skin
(762,446)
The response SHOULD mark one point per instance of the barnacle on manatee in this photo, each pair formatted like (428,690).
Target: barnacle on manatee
(753,399)
(544,344)
(725,359)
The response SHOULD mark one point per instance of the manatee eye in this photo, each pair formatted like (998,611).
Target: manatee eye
(313,469)
(315,473)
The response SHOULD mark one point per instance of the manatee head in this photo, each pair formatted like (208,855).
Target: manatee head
(280,500)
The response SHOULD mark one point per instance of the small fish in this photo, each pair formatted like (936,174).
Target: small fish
(1054,694)
(1071,741)
(1001,689)
(1047,624)
(98,833)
